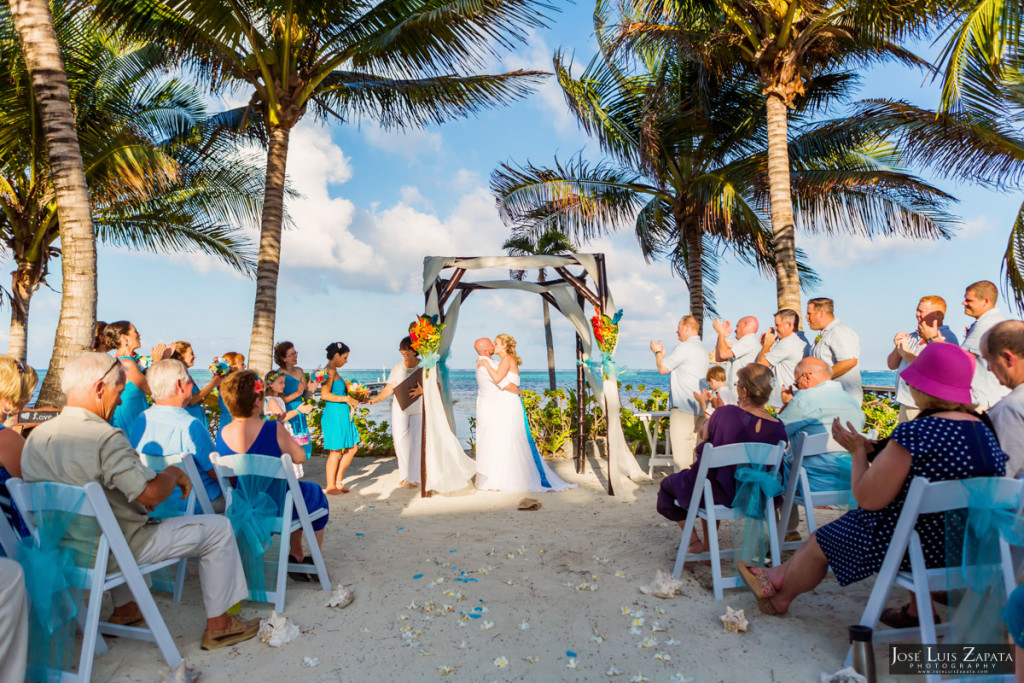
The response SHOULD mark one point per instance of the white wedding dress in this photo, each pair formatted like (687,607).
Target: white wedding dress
(512,460)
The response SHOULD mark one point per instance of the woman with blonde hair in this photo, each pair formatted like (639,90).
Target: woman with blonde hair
(17,382)
(519,466)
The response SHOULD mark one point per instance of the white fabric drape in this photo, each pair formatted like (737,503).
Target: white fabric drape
(448,467)
(624,466)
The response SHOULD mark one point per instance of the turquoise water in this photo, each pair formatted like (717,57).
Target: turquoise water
(464,387)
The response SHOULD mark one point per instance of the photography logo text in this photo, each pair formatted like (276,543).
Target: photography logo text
(950,660)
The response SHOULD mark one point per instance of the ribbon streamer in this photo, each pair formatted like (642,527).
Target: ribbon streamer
(756,485)
(254,516)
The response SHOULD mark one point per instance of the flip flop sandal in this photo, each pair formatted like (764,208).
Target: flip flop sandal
(301,576)
(756,579)
(127,620)
(767,607)
(900,617)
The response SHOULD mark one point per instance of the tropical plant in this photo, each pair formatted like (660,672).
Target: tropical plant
(784,44)
(75,326)
(162,176)
(548,243)
(689,168)
(398,63)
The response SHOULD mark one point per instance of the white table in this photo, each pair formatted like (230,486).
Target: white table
(652,443)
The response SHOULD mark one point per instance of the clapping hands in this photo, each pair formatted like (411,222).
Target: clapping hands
(657,347)
(722,327)
(849,438)
(768,338)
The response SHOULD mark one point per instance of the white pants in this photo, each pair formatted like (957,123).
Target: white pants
(682,432)
(13,622)
(407,431)
(212,540)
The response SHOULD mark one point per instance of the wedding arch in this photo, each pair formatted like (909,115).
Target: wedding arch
(568,295)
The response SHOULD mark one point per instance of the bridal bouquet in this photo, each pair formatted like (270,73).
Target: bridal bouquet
(359,392)
(143,362)
(219,367)
(606,330)
(425,333)
(319,375)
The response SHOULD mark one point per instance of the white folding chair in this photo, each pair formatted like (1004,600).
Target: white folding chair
(702,505)
(225,467)
(651,433)
(193,506)
(96,580)
(805,446)
(8,536)
(925,498)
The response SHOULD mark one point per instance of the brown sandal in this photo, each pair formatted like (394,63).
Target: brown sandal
(238,630)
(900,617)
(756,579)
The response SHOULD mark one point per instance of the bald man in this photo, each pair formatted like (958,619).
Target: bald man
(816,402)
(742,352)
(1002,348)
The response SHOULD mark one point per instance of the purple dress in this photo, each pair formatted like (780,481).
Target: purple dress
(728,425)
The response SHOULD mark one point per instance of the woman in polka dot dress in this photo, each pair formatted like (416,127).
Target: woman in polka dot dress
(947,441)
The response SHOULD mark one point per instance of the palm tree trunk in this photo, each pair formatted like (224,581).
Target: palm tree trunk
(22,289)
(541,277)
(694,274)
(261,345)
(784,243)
(78,239)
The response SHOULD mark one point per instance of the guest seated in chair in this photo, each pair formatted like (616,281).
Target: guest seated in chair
(17,382)
(168,428)
(80,446)
(743,423)
(248,432)
(811,409)
(948,441)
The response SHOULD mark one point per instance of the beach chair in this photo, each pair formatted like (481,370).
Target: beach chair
(924,498)
(702,505)
(287,497)
(95,579)
(805,446)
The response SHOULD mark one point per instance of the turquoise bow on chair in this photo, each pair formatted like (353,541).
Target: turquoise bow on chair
(47,570)
(756,485)
(254,518)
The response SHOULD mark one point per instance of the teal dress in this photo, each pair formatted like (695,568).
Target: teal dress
(299,428)
(336,422)
(133,403)
(196,410)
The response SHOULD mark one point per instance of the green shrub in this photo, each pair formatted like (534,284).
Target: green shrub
(880,413)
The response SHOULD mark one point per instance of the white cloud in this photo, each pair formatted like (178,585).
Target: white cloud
(537,55)
(410,143)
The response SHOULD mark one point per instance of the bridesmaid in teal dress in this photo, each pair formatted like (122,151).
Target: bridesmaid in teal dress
(341,438)
(183,352)
(236,361)
(296,388)
(125,339)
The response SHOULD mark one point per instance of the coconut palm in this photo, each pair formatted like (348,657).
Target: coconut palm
(688,167)
(398,62)
(783,44)
(78,263)
(162,177)
(548,243)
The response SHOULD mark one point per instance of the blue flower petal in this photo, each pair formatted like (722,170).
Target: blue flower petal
(418,576)
(358,533)
(570,653)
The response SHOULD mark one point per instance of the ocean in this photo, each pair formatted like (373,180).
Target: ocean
(464,387)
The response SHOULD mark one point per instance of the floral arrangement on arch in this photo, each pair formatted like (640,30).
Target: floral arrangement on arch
(606,331)
(425,333)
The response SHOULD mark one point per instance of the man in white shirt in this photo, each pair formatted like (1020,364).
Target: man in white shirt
(1002,347)
(980,304)
(781,349)
(837,344)
(743,351)
(906,347)
(686,367)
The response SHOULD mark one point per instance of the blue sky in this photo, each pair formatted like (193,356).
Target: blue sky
(376,202)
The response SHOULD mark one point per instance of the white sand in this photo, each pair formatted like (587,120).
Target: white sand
(527,566)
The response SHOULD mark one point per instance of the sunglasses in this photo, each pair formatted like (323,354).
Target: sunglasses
(21,368)
(104,375)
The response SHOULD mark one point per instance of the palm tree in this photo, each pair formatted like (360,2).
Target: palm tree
(548,243)
(78,244)
(784,44)
(688,166)
(397,62)
(162,177)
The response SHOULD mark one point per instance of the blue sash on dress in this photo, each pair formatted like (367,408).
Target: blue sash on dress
(533,448)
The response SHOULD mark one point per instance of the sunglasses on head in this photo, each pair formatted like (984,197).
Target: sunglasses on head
(104,375)
(21,368)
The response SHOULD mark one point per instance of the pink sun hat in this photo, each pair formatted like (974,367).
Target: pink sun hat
(942,370)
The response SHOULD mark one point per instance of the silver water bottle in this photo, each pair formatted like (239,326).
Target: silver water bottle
(863,654)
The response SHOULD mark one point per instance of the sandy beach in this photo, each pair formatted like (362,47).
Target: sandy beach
(538,587)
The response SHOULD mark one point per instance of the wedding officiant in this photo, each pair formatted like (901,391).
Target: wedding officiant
(406,413)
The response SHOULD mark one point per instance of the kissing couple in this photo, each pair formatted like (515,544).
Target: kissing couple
(507,458)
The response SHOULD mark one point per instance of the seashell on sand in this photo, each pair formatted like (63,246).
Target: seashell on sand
(733,620)
(277,629)
(341,597)
(663,586)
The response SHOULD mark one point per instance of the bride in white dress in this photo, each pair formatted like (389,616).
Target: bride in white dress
(517,465)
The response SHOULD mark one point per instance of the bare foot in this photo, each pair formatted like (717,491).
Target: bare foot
(413,485)
(345,489)
(404,482)
(331,491)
